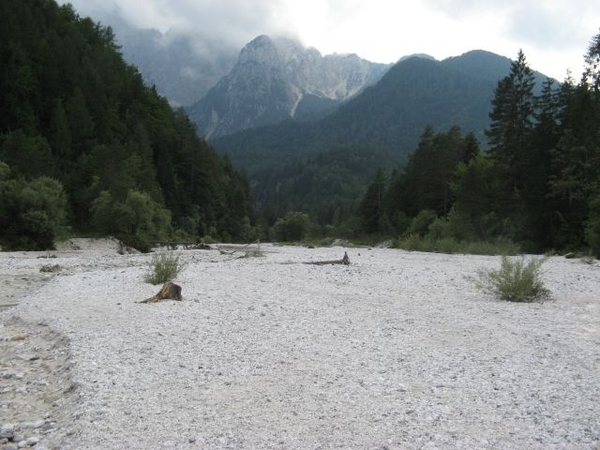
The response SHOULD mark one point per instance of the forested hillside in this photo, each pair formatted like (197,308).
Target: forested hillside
(530,180)
(537,186)
(85,145)
(414,93)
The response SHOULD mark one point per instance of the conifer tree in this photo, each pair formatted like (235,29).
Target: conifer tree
(512,121)
(371,208)
(509,138)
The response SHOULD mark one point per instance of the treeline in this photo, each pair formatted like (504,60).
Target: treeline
(85,145)
(538,185)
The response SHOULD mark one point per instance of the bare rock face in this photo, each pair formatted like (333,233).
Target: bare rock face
(279,79)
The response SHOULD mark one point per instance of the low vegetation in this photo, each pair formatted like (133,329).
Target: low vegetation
(414,242)
(517,280)
(164,267)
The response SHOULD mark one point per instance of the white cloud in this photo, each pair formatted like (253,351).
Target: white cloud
(553,35)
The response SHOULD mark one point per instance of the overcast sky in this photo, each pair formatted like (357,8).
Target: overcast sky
(553,34)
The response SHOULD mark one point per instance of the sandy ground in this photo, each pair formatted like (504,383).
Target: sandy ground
(398,350)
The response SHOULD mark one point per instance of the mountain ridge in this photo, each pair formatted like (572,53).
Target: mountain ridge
(391,114)
(276,78)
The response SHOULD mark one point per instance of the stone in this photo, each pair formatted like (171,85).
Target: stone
(7,431)
(32,441)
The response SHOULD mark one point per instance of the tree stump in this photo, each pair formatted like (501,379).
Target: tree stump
(169,291)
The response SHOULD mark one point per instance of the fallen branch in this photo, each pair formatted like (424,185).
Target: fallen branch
(169,291)
(344,261)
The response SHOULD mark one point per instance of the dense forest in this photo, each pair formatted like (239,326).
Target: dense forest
(534,183)
(86,147)
(538,184)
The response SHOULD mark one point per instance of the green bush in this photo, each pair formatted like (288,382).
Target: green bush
(32,213)
(294,226)
(136,220)
(164,267)
(515,281)
(421,223)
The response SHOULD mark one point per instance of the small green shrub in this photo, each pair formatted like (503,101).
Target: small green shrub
(164,267)
(515,281)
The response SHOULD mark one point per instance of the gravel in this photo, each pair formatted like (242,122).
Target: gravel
(398,350)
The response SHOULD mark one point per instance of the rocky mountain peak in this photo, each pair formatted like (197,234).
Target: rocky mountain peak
(276,79)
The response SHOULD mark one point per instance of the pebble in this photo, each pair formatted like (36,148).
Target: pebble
(32,441)
(15,436)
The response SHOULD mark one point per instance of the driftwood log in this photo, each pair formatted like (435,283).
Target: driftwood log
(344,261)
(169,291)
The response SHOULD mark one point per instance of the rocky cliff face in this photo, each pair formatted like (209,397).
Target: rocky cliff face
(279,79)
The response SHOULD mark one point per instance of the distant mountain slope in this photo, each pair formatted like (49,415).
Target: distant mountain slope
(415,92)
(480,63)
(392,114)
(278,79)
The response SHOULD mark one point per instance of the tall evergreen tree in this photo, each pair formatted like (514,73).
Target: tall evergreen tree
(512,121)
(509,136)
(371,209)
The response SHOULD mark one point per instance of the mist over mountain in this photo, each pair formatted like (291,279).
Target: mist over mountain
(276,79)
(182,66)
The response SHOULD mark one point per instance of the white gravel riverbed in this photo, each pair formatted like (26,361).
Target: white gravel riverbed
(398,350)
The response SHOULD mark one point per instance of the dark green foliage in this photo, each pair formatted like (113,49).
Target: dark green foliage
(294,227)
(426,182)
(536,188)
(475,191)
(371,208)
(137,219)
(537,184)
(326,186)
(510,141)
(419,225)
(592,226)
(72,109)
(32,213)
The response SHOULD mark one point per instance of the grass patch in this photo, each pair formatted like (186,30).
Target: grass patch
(164,267)
(516,281)
(414,242)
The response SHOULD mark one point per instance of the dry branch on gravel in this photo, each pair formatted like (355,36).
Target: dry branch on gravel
(344,261)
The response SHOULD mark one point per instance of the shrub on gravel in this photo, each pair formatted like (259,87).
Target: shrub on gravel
(515,281)
(164,267)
